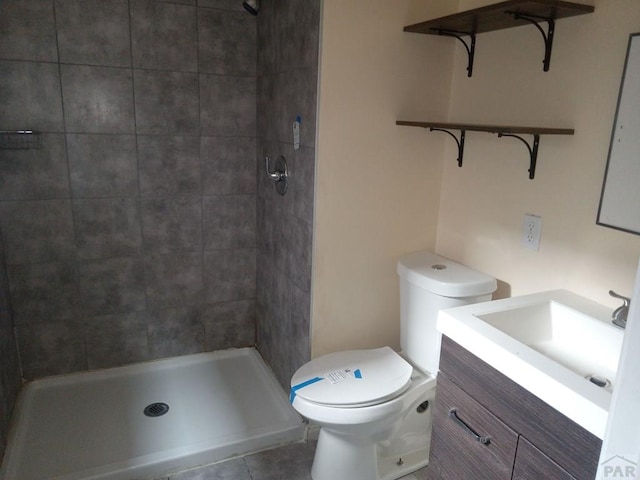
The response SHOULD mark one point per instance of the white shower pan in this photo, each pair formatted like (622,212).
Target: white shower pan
(92,425)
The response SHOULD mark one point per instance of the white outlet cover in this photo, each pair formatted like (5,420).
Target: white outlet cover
(531,231)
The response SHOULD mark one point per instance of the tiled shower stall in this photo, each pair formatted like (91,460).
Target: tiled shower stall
(144,227)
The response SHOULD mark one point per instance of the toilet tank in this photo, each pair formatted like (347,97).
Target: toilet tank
(429,283)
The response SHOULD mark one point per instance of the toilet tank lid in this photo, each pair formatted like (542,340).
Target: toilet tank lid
(444,277)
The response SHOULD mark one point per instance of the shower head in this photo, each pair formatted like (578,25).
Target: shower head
(252,6)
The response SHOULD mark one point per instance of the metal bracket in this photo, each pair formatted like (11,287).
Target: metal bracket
(459,142)
(533,151)
(548,36)
(471,48)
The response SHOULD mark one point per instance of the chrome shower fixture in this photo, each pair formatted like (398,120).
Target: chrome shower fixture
(252,6)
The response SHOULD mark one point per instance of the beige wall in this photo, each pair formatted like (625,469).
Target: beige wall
(384,190)
(482,205)
(378,185)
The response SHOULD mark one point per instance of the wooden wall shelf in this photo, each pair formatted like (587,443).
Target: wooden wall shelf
(500,130)
(508,14)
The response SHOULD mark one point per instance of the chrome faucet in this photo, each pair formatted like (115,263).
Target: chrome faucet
(619,315)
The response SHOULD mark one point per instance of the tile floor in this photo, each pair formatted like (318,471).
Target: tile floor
(290,462)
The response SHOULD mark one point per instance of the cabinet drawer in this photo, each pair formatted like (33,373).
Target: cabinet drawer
(569,445)
(468,442)
(532,464)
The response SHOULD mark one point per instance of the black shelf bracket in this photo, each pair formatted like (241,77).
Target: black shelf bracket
(470,47)
(547,36)
(460,142)
(533,150)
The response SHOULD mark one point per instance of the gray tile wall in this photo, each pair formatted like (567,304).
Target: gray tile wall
(131,235)
(288,37)
(9,364)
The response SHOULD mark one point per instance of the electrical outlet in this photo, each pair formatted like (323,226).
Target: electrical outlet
(531,231)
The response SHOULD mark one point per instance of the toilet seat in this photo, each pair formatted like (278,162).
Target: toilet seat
(353,378)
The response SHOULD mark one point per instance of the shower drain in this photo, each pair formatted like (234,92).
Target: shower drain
(156,409)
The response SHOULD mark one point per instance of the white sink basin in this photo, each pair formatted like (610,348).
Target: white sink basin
(558,345)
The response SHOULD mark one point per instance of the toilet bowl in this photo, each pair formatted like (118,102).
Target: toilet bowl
(374,406)
(373,410)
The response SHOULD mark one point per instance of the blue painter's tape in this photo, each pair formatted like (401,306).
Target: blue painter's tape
(297,387)
(357,374)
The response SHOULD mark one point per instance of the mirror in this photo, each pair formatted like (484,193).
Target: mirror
(620,198)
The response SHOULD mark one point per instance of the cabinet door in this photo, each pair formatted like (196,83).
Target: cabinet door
(532,464)
(467,441)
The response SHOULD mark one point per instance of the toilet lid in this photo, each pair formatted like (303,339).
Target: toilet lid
(352,378)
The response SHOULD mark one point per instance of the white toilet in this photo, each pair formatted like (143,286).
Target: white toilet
(373,406)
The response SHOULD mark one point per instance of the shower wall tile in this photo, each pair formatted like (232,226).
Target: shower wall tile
(10,371)
(166,102)
(265,233)
(301,235)
(295,98)
(228,165)
(264,338)
(278,292)
(31,174)
(107,227)
(227,42)
(229,275)
(27,30)
(288,39)
(115,340)
(94,32)
(97,99)
(228,106)
(51,349)
(30,97)
(114,285)
(172,224)
(173,280)
(222,4)
(164,36)
(303,83)
(43,292)
(169,166)
(229,221)
(301,23)
(298,324)
(283,106)
(129,235)
(273,298)
(303,180)
(175,331)
(229,324)
(102,165)
(37,231)
(183,2)
(264,307)
(267,108)
(274,230)
(267,42)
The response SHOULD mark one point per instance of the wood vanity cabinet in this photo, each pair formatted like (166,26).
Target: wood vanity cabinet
(532,464)
(487,427)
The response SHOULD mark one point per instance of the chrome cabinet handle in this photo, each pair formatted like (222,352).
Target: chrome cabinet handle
(453,414)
